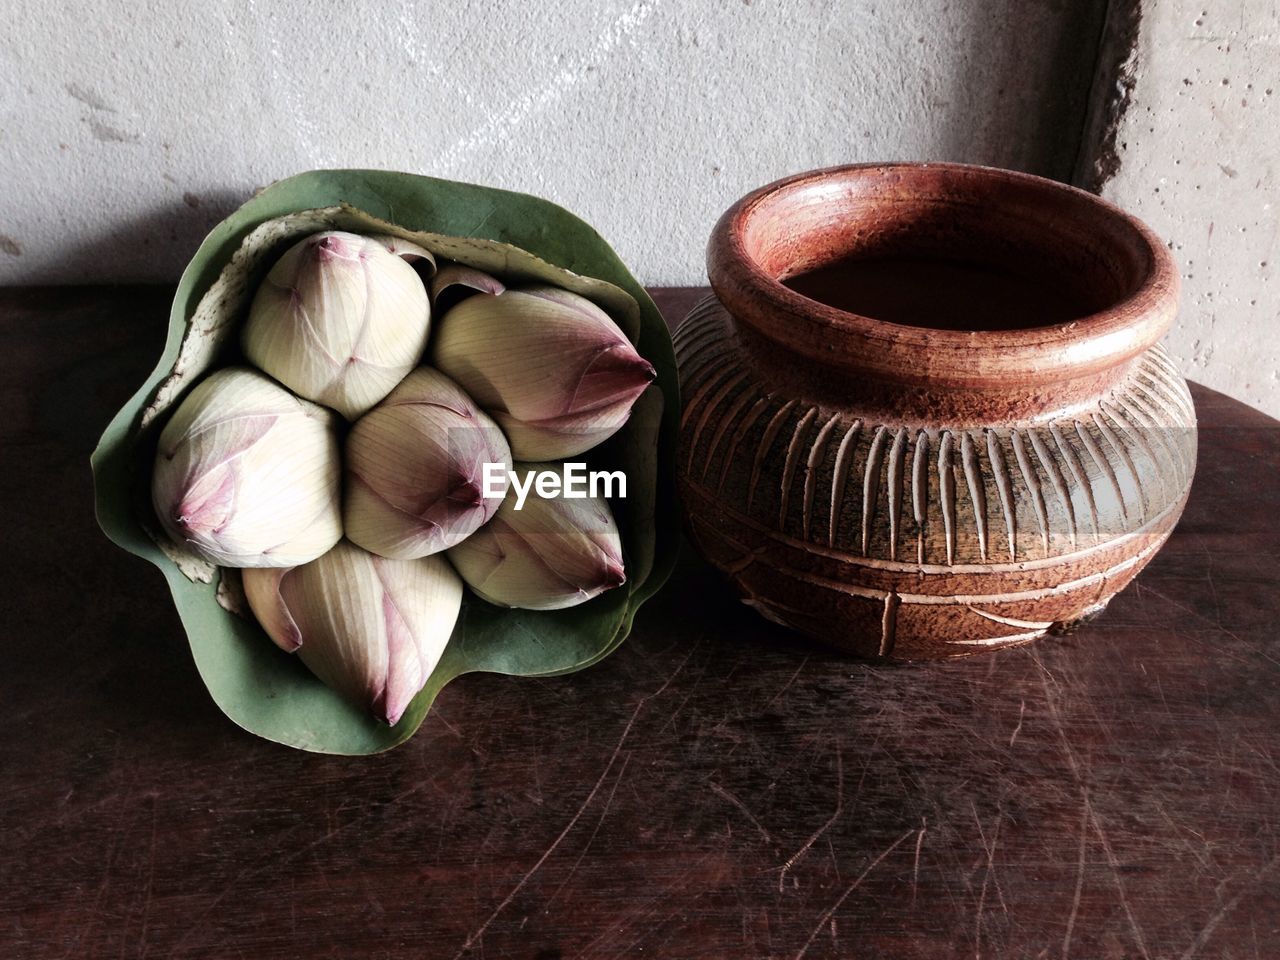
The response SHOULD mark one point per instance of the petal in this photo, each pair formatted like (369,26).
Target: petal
(262,590)
(456,281)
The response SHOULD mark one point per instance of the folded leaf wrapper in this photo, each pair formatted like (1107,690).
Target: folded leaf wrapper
(520,240)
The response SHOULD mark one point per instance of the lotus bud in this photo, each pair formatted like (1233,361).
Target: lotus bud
(340,319)
(550,366)
(248,475)
(551,553)
(415,469)
(373,629)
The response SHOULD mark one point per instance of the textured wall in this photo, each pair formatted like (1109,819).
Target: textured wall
(1197,155)
(128,128)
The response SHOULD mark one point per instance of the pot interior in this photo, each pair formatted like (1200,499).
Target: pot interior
(950,294)
(948,252)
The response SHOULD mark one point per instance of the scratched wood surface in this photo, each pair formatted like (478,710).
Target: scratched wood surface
(715,789)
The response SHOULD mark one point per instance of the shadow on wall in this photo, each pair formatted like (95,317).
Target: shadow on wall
(168,236)
(1052,94)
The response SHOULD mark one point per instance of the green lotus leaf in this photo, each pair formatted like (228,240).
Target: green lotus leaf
(521,239)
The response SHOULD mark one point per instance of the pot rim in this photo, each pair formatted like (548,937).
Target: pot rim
(965,359)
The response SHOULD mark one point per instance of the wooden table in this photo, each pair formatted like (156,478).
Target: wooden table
(717,788)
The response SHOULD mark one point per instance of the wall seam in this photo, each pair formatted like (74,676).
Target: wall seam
(1110,95)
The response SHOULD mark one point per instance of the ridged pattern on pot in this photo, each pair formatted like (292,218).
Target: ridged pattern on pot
(777,480)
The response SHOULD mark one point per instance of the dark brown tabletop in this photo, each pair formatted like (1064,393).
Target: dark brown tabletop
(717,788)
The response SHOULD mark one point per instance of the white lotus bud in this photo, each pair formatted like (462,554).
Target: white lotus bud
(248,475)
(554,552)
(340,319)
(373,629)
(415,469)
(550,366)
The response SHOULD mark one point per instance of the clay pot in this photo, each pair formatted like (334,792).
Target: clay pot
(930,489)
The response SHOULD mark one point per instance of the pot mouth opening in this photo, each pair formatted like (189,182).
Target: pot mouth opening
(954,256)
(914,284)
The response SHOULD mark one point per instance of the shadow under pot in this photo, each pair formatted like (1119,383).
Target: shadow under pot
(925,412)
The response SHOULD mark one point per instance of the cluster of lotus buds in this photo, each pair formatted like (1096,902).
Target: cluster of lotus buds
(356,541)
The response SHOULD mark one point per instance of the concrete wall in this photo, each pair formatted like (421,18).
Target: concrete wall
(1195,152)
(128,128)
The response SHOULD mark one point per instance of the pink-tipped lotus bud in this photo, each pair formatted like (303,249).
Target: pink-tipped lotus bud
(551,553)
(248,475)
(373,629)
(415,471)
(340,319)
(550,366)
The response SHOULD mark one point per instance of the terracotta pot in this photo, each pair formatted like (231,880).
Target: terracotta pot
(914,491)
